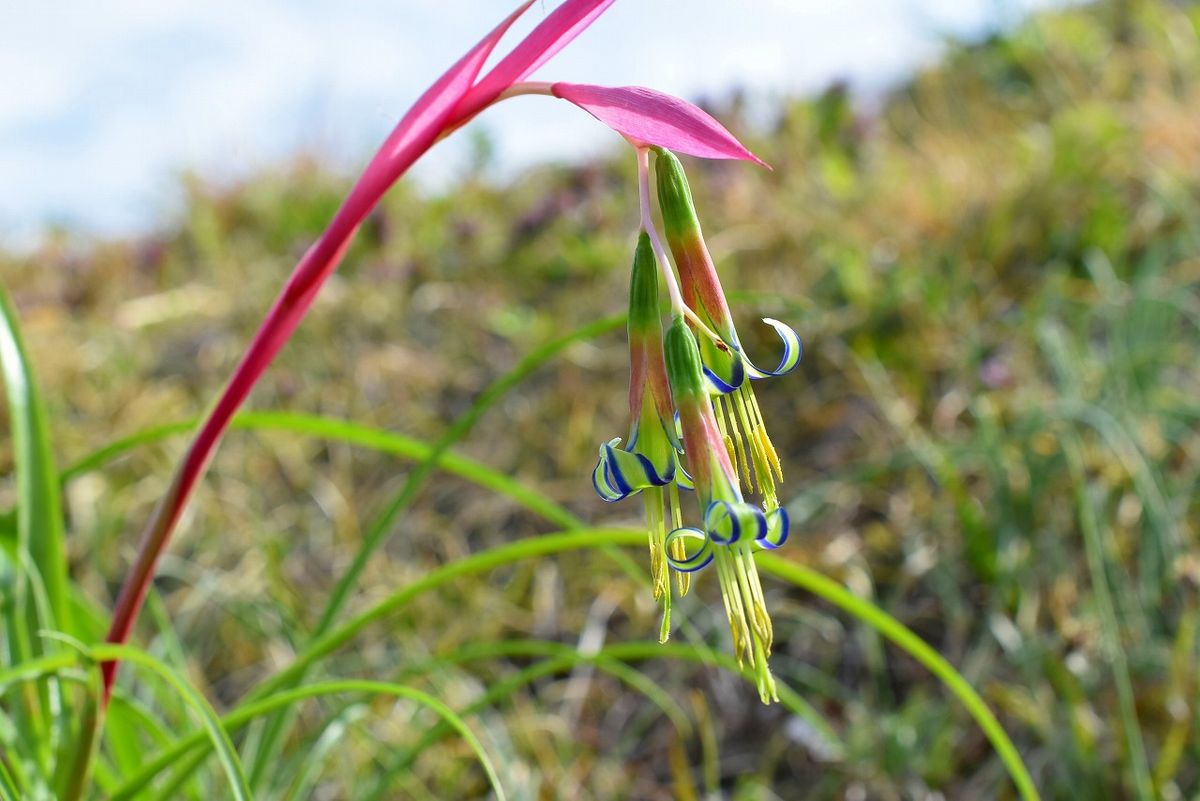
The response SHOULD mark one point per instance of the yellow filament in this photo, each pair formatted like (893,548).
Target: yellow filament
(766,441)
(756,612)
(743,639)
(658,536)
(745,415)
(683,581)
(737,436)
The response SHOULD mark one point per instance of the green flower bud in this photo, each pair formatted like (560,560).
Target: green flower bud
(684,369)
(643,288)
(674,197)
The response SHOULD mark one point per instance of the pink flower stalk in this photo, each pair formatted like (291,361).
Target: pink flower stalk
(646,117)
(450,102)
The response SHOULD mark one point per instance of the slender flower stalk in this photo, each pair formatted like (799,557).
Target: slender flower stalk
(660,253)
(678,307)
(645,117)
(450,102)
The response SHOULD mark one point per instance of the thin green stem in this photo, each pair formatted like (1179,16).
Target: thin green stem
(350,433)
(385,522)
(919,650)
(547,545)
(678,307)
(1110,630)
(238,718)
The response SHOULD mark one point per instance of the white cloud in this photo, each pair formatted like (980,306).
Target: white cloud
(103,102)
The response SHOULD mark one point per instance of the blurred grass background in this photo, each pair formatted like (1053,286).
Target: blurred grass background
(993,434)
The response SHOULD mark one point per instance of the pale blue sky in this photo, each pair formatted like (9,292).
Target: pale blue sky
(103,103)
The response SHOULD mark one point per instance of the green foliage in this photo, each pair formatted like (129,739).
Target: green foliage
(993,437)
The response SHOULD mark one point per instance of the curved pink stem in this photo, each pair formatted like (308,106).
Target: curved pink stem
(453,100)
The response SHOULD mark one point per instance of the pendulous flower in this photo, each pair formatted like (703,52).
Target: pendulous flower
(648,462)
(732,528)
(680,409)
(725,364)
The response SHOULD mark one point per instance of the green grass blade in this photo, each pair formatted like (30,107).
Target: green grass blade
(543,545)
(39,507)
(119,447)
(8,787)
(795,574)
(611,659)
(1094,548)
(637,652)
(340,431)
(919,650)
(282,700)
(314,757)
(217,736)
(34,669)
(39,584)
(477,563)
(384,523)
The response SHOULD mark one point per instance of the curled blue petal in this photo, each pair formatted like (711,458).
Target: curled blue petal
(601,484)
(683,478)
(726,521)
(718,385)
(620,473)
(793,350)
(673,431)
(721,523)
(776,533)
(693,562)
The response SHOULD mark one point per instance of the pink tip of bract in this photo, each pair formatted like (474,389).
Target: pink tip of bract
(649,117)
(551,35)
(429,114)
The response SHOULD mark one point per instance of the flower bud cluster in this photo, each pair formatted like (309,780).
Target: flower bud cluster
(696,425)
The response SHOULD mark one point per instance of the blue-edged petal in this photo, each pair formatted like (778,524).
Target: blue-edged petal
(673,431)
(776,533)
(793,350)
(718,385)
(697,560)
(620,473)
(727,521)
(683,479)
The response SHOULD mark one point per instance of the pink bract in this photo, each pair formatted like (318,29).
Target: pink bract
(651,118)
(452,100)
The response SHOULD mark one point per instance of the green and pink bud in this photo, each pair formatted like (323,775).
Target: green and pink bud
(648,462)
(707,456)
(700,284)
(724,363)
(732,529)
(698,278)
(648,457)
(648,372)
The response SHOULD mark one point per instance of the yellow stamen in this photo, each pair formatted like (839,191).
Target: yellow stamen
(756,611)
(656,527)
(683,580)
(766,441)
(745,608)
(658,535)
(750,449)
(743,639)
(737,436)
